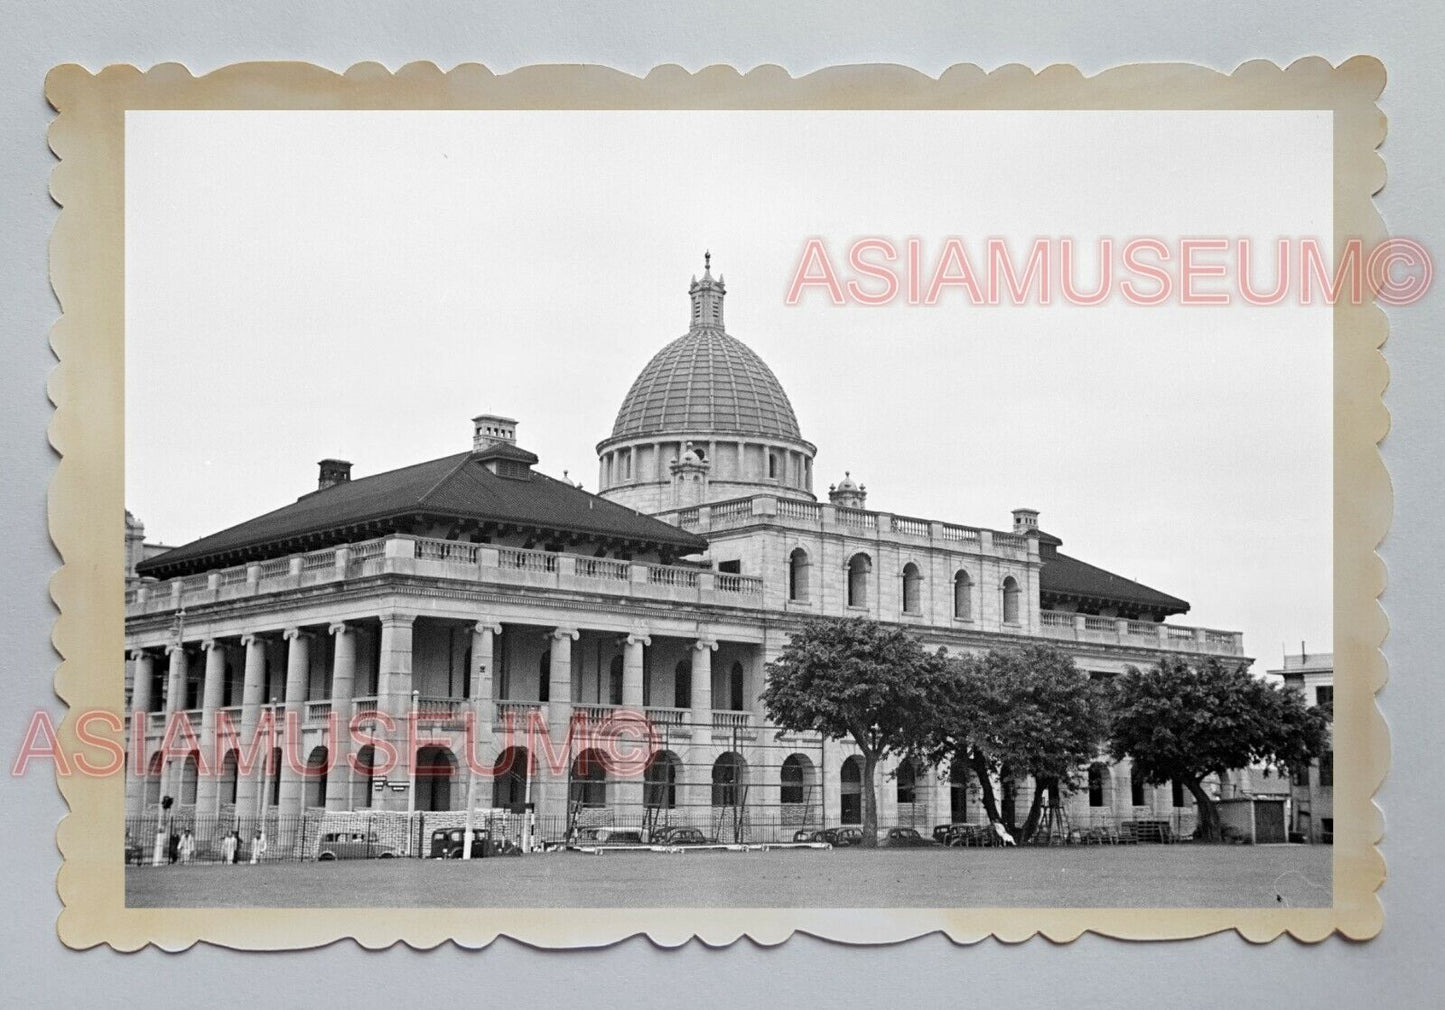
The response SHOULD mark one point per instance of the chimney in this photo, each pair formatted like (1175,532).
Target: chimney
(333,472)
(492,429)
(1026,520)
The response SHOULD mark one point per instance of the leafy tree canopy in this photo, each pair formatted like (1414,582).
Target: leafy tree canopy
(855,678)
(1177,721)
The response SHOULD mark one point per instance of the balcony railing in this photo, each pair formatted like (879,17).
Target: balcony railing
(455,560)
(1144,634)
(519,712)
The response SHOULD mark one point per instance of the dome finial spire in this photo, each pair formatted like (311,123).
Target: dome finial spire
(707,296)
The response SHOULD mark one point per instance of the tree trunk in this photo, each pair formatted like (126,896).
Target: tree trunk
(1209,829)
(1009,789)
(985,787)
(870,802)
(1031,823)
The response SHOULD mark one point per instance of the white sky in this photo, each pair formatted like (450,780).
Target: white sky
(360,284)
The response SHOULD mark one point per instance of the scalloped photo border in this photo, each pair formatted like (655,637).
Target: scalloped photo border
(87,493)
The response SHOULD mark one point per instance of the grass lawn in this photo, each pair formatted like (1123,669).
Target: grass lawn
(1136,876)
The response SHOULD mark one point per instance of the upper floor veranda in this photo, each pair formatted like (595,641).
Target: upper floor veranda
(976,584)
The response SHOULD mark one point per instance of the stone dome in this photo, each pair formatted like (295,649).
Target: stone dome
(707,381)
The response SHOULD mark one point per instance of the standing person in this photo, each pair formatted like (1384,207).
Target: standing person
(228,847)
(258,847)
(188,846)
(173,847)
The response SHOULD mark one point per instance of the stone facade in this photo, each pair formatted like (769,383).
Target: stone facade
(497,647)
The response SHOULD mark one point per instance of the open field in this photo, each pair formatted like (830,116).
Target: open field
(1144,876)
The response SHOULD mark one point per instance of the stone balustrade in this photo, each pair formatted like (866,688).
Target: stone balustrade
(1145,634)
(420,556)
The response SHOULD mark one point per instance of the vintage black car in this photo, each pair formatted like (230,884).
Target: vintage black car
(679,836)
(904,838)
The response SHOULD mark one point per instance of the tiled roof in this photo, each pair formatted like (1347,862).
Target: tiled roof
(1066,576)
(706,381)
(456,487)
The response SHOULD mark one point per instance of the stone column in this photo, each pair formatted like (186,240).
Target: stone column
(393,690)
(697,793)
(484,706)
(343,677)
(139,753)
(298,665)
(252,691)
(176,675)
(627,788)
(207,785)
(549,794)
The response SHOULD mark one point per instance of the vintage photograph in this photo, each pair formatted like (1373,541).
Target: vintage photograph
(791,509)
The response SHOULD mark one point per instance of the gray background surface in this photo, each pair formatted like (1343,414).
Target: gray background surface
(1400,968)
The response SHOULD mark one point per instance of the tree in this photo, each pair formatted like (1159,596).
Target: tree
(1019,713)
(855,679)
(1182,722)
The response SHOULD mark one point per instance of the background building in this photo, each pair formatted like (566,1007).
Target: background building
(475,585)
(1312,794)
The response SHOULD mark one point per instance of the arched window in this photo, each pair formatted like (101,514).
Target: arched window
(544,676)
(682,684)
(190,774)
(1097,774)
(958,792)
(614,680)
(727,780)
(796,779)
(963,596)
(1010,600)
(860,566)
(907,779)
(735,688)
(588,785)
(772,466)
(362,777)
(798,575)
(230,778)
(153,779)
(316,767)
(850,778)
(435,769)
(509,779)
(659,781)
(912,589)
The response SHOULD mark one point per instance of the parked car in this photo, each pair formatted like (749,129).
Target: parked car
(971,836)
(809,835)
(904,838)
(353,845)
(842,838)
(679,836)
(609,836)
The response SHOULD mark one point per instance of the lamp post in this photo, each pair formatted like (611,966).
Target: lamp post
(411,770)
(470,743)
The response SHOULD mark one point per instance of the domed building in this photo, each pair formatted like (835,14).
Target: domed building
(706,420)
(475,588)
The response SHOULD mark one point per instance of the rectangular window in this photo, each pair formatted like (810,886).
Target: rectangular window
(1136,790)
(1177,793)
(1327,769)
(1325,695)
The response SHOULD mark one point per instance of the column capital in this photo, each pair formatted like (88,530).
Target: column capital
(705,643)
(561,633)
(339,628)
(291,634)
(251,638)
(638,637)
(495,627)
(137,655)
(210,643)
(174,647)
(398,617)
